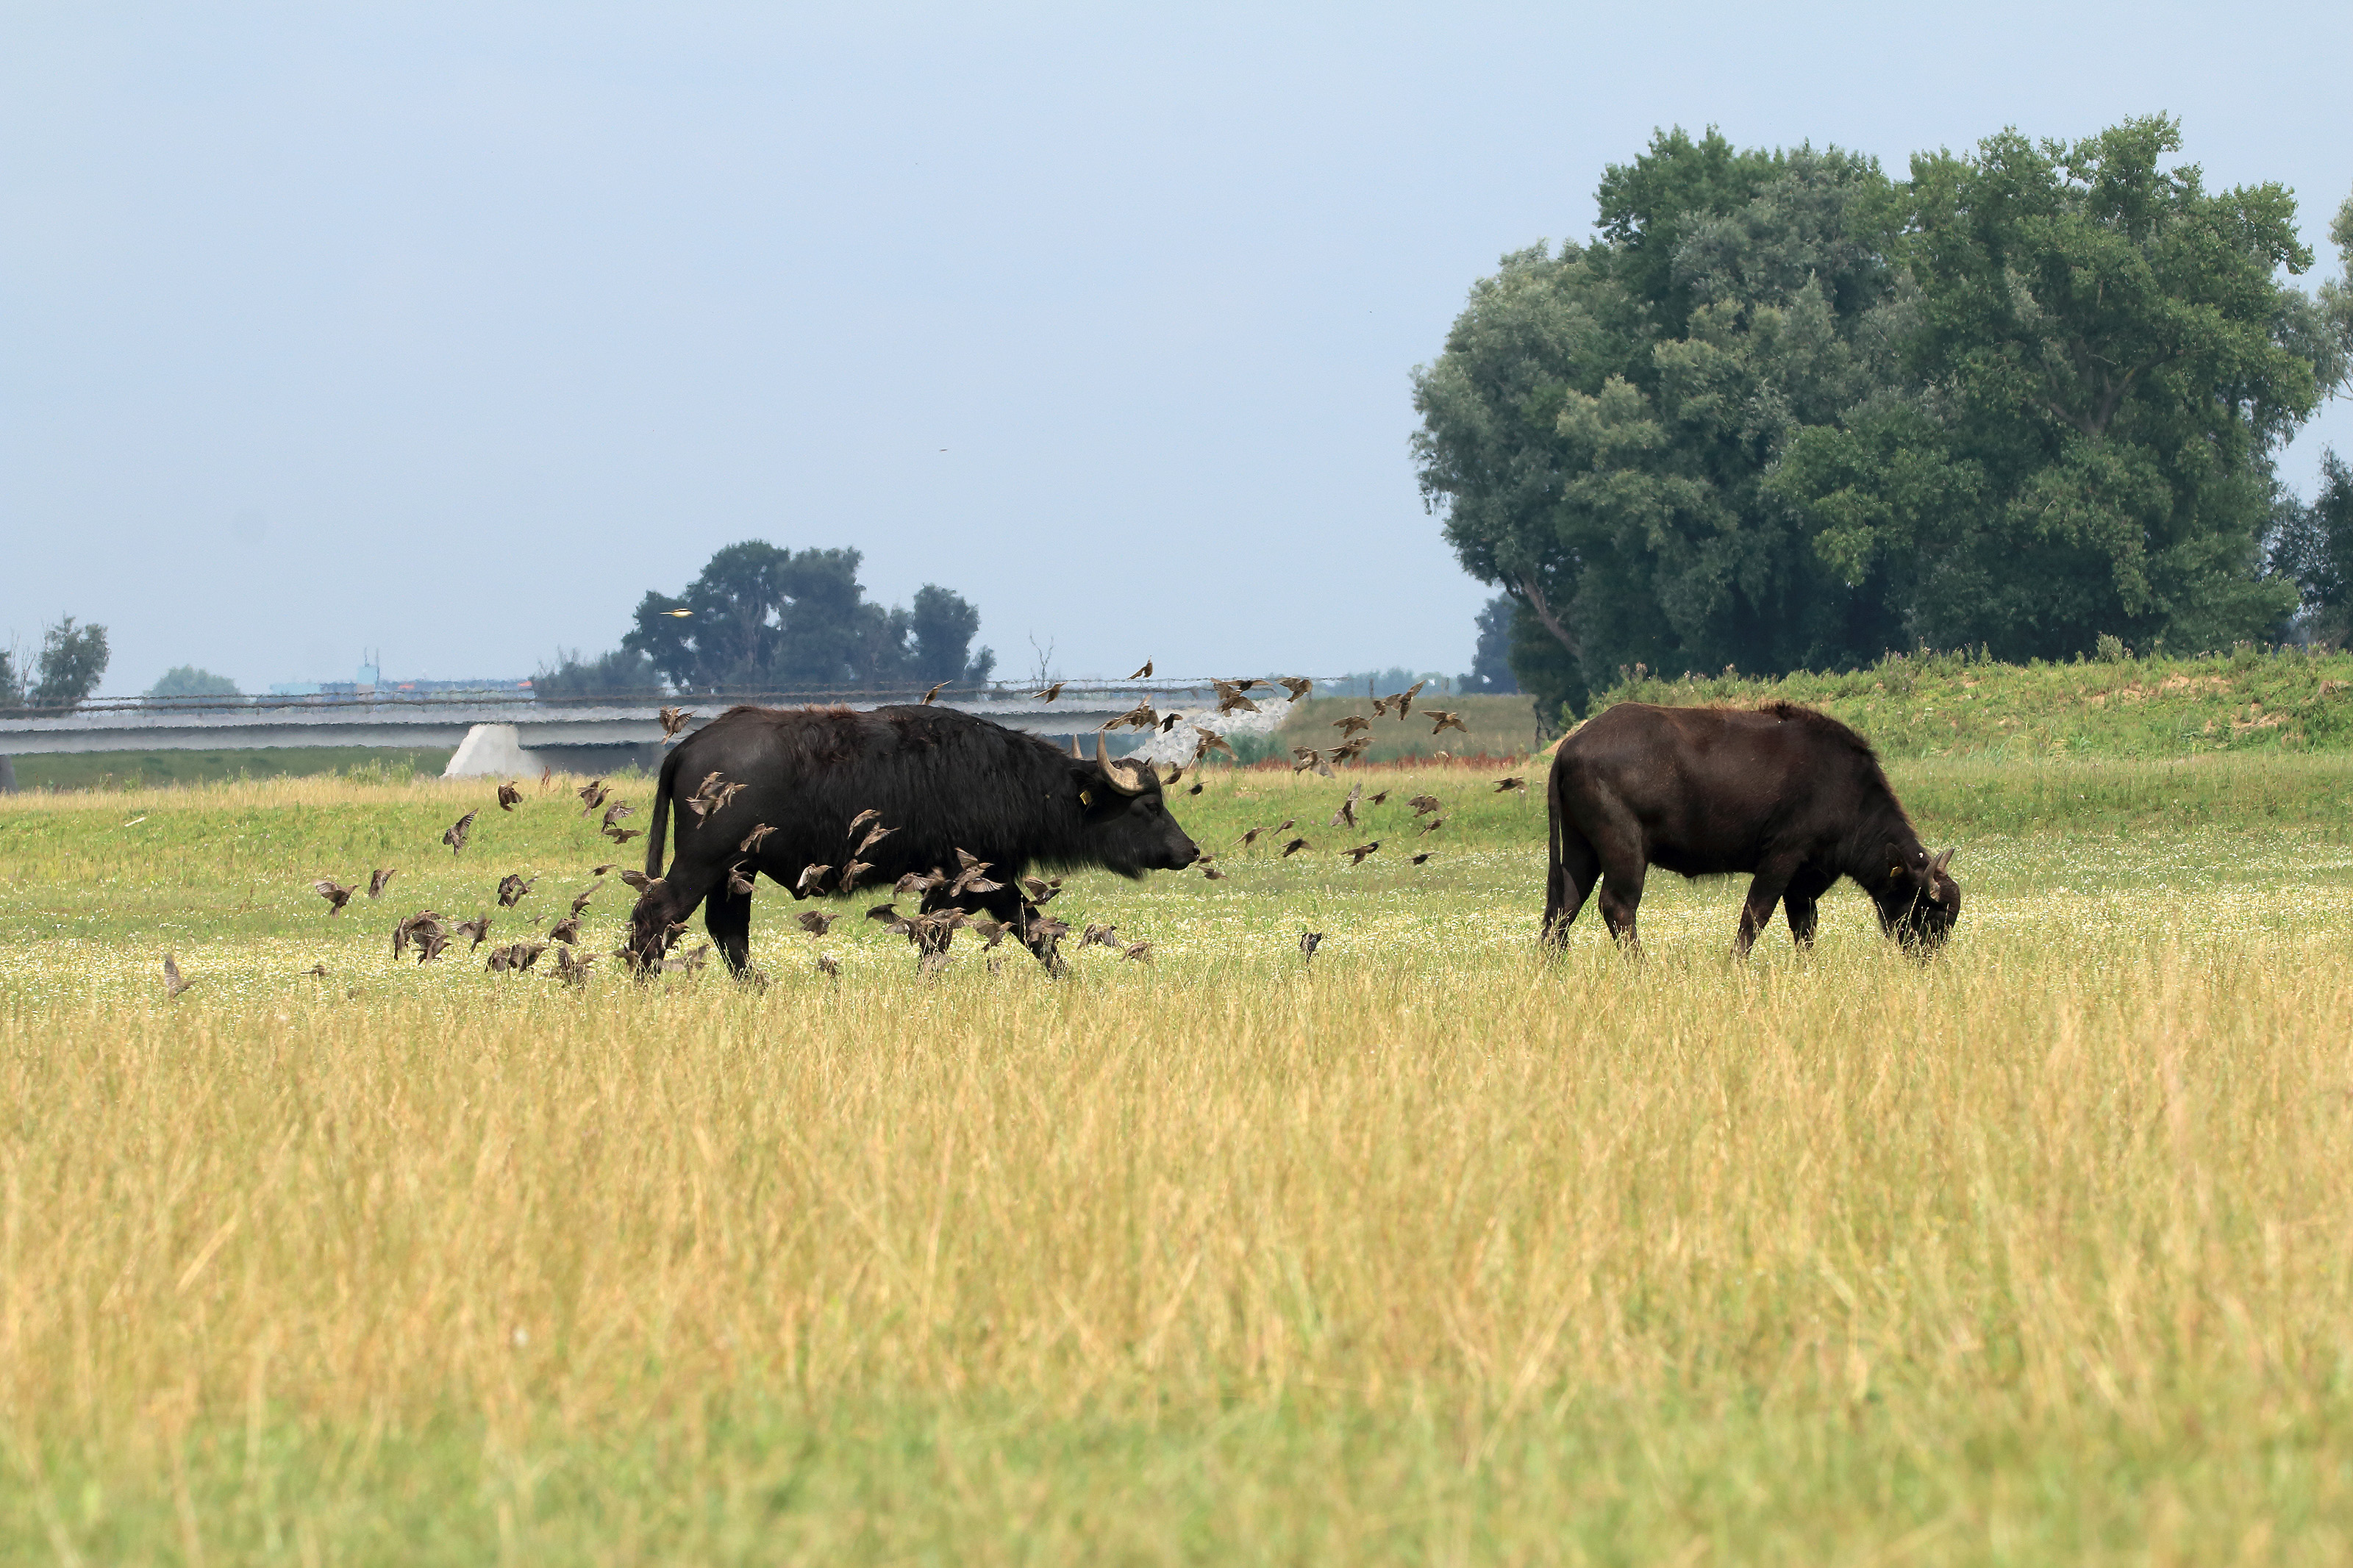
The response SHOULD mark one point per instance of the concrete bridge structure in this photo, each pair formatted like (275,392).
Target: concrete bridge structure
(495,733)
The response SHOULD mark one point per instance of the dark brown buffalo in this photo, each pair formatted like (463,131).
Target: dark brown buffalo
(1791,795)
(940,780)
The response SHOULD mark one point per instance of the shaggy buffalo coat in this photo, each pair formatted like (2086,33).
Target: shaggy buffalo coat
(1790,795)
(944,779)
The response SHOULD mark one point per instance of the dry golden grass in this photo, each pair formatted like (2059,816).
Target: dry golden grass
(1433,1252)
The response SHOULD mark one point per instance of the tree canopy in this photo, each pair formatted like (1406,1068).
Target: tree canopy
(2312,545)
(73,659)
(1784,412)
(187,680)
(761,617)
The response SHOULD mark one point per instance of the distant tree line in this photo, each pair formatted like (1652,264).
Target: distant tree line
(759,617)
(68,670)
(1784,412)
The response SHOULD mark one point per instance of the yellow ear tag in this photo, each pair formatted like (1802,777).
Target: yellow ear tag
(1086,797)
(1896,873)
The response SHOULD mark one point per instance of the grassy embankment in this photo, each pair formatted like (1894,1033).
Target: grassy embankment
(1430,1250)
(1941,705)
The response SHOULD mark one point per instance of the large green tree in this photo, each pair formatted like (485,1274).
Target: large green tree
(1784,413)
(2103,366)
(1600,427)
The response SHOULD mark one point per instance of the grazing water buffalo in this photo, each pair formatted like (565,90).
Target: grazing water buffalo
(1782,791)
(938,780)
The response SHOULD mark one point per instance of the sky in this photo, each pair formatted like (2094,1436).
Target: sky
(448,330)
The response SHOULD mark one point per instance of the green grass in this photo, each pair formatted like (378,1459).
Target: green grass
(1430,1250)
(1948,705)
(135,770)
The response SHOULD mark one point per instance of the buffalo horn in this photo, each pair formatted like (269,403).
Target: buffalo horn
(1943,859)
(1076,755)
(1119,774)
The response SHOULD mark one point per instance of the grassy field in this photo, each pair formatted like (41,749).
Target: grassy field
(130,770)
(1430,1250)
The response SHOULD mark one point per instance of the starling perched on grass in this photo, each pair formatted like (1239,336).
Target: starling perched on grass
(1309,940)
(173,984)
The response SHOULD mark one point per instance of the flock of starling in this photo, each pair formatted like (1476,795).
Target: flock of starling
(430,935)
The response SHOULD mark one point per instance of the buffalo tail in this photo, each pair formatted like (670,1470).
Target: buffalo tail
(1556,893)
(658,828)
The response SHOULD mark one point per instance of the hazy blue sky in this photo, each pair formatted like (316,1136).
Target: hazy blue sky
(451,329)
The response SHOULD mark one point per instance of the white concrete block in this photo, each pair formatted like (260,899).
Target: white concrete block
(490,749)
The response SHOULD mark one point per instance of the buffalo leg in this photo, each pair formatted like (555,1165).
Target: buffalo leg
(727,916)
(1756,913)
(662,909)
(1571,883)
(1621,895)
(1801,904)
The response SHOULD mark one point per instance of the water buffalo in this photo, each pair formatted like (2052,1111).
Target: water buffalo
(940,780)
(1782,791)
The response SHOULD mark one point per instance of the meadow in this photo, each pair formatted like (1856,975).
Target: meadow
(1426,1249)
